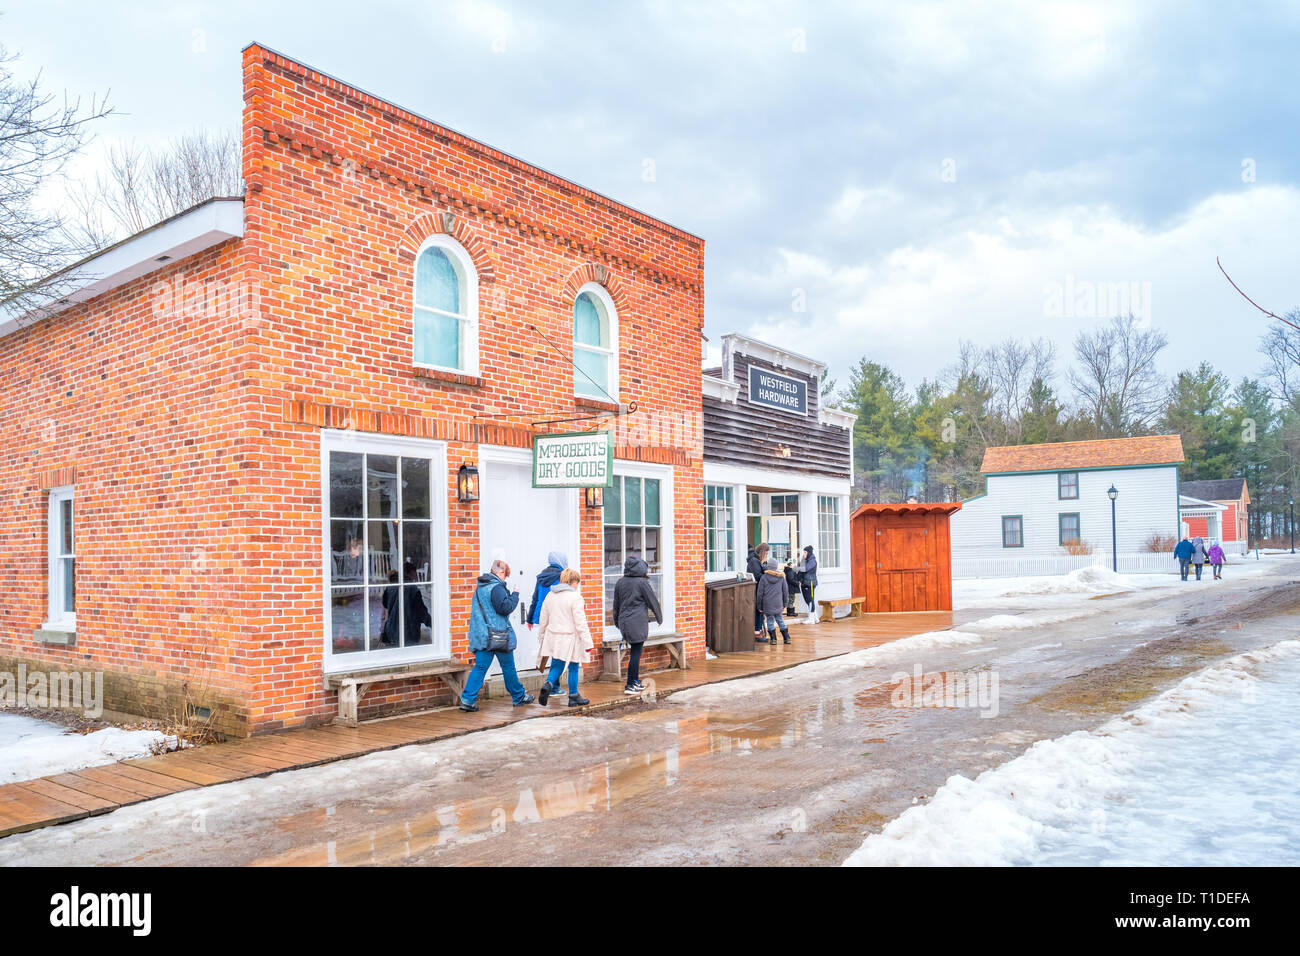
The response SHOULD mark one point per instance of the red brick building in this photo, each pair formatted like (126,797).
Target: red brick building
(221,450)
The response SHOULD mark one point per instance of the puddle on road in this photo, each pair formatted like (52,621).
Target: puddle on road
(596,789)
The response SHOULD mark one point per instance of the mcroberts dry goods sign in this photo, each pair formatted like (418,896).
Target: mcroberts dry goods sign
(777,391)
(580,460)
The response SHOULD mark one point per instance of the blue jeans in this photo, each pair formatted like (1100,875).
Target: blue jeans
(1182,568)
(775,622)
(482,661)
(557,668)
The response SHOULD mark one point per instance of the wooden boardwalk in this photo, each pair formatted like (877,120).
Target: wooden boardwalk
(62,798)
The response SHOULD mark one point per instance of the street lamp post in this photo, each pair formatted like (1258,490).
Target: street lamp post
(1112,494)
(1290,503)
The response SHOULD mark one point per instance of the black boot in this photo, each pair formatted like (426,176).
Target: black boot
(786,636)
(544,694)
(576,699)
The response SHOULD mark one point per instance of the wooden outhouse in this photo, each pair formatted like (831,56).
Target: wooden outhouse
(902,558)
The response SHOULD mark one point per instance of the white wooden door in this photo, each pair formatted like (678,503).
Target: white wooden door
(526,524)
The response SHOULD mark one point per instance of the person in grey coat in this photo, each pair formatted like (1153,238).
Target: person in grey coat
(771,597)
(1199,555)
(808,581)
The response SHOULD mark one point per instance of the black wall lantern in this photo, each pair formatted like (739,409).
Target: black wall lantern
(594,497)
(467,483)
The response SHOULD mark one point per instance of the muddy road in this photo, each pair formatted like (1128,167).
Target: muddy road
(791,768)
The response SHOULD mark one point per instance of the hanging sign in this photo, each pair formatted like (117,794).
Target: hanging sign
(576,460)
(777,391)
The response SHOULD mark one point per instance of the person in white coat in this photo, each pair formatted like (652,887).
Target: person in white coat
(564,636)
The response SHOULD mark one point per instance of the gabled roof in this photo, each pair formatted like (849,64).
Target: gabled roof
(1073,455)
(909,508)
(1214,489)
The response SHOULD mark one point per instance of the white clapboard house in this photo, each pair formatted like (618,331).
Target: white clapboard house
(1044,504)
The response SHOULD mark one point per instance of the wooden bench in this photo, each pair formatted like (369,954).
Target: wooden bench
(352,685)
(612,655)
(828,608)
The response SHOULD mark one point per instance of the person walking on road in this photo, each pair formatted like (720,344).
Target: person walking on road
(771,598)
(634,602)
(564,636)
(491,637)
(1217,557)
(547,578)
(808,581)
(1183,551)
(1199,557)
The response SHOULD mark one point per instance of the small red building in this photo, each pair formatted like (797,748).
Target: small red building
(902,556)
(1233,525)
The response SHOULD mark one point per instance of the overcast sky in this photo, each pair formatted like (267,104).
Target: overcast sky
(875,179)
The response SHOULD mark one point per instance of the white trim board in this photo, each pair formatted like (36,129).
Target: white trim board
(202,227)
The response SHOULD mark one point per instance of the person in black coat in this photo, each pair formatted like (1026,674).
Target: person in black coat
(416,611)
(771,596)
(754,565)
(792,585)
(808,581)
(634,603)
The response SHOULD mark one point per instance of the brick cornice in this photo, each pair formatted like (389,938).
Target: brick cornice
(446,134)
(463,204)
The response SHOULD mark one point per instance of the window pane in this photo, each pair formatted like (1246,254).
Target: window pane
(69,585)
(417,551)
(347,553)
(590,323)
(651,552)
(631,500)
(592,374)
(614,502)
(415,488)
(437,339)
(632,542)
(418,624)
(614,550)
(652,501)
(348,620)
(384,557)
(66,512)
(345,485)
(381,486)
(385,631)
(437,285)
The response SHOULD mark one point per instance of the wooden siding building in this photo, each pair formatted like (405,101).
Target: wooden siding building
(902,558)
(778,464)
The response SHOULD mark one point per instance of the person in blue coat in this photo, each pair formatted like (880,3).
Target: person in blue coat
(1183,551)
(547,578)
(490,609)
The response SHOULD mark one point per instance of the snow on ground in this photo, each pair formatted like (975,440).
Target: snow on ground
(1151,787)
(526,745)
(709,694)
(1064,589)
(31,748)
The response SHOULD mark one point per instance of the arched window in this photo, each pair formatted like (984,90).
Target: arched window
(595,344)
(446,307)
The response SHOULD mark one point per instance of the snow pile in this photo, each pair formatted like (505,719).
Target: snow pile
(43,752)
(1092,580)
(1065,792)
(1020,622)
(806,674)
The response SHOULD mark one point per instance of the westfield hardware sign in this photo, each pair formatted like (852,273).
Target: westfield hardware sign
(580,460)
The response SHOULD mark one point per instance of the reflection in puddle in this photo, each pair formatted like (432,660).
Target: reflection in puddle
(595,789)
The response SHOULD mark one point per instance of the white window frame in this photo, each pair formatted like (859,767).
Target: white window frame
(464,266)
(836,530)
(59,618)
(667,536)
(611,353)
(709,550)
(440,607)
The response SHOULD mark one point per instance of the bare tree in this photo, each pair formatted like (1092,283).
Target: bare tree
(38,135)
(1116,383)
(1011,368)
(1281,348)
(141,187)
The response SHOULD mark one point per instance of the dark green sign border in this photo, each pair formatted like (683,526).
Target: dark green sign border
(609,449)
